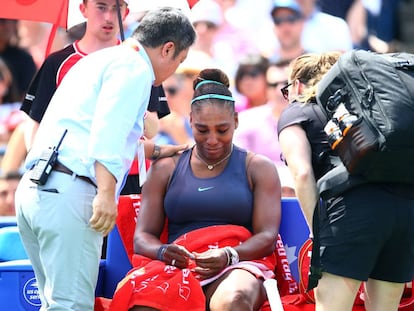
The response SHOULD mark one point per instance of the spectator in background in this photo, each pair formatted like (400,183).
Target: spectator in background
(226,44)
(8,87)
(288,26)
(353,12)
(382,26)
(34,38)
(207,18)
(175,128)
(258,125)
(381,19)
(323,32)
(10,115)
(245,14)
(8,185)
(405,34)
(20,62)
(336,8)
(389,25)
(248,17)
(250,81)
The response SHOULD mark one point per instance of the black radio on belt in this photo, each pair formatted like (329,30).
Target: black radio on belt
(41,170)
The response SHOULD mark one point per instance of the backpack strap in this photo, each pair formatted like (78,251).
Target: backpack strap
(315,270)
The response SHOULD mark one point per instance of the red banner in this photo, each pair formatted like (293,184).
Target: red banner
(51,11)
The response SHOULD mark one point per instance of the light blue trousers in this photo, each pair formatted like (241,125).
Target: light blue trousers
(65,252)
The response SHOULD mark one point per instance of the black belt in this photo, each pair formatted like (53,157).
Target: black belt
(58,167)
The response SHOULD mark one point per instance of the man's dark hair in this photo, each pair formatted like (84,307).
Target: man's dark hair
(165,25)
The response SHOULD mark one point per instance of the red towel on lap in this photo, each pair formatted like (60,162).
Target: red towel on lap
(155,284)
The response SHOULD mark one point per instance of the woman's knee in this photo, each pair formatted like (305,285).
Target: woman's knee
(231,299)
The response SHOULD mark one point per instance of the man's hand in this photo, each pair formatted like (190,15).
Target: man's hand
(105,208)
(171,150)
(104,214)
(154,152)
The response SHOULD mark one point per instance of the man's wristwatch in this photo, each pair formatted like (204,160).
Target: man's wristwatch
(156,153)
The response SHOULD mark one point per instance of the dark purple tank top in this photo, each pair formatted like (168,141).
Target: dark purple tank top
(191,202)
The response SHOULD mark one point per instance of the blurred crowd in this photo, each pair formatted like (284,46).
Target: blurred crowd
(253,42)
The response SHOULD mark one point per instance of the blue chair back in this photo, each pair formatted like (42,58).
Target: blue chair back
(294,232)
(18,286)
(117,263)
(11,247)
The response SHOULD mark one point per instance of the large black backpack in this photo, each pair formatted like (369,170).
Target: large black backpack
(376,139)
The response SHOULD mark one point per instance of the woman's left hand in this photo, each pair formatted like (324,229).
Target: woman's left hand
(176,255)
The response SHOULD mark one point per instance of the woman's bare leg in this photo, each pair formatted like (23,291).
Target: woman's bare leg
(335,293)
(382,295)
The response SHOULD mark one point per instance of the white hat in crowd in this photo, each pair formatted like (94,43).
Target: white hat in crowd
(207,11)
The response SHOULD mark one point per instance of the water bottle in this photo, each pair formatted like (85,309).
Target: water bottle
(345,118)
(334,133)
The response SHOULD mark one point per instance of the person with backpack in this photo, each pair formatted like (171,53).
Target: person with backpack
(362,232)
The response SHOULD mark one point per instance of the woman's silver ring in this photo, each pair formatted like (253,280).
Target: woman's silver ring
(173,262)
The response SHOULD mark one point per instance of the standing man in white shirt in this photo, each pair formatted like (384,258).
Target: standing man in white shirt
(323,32)
(101,103)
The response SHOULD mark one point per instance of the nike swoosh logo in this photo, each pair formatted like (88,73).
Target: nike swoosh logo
(201,189)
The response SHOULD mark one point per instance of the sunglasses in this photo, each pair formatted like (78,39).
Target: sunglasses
(209,25)
(251,73)
(285,90)
(171,90)
(290,19)
(275,84)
